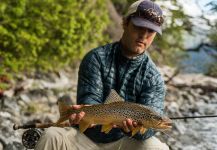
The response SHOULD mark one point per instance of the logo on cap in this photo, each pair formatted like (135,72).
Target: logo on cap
(151,15)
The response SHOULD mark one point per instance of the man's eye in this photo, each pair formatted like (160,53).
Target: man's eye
(138,28)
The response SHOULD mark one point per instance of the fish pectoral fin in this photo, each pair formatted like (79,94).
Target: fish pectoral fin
(106,128)
(83,125)
(135,130)
(143,130)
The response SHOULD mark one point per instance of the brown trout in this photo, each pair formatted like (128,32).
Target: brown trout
(113,112)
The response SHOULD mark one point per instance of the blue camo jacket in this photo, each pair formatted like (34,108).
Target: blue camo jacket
(135,80)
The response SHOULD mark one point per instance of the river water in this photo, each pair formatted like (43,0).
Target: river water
(198,61)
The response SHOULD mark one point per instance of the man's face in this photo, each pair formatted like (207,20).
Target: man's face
(136,39)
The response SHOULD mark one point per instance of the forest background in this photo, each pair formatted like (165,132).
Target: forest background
(44,36)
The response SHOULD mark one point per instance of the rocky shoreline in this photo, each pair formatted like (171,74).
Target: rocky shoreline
(34,99)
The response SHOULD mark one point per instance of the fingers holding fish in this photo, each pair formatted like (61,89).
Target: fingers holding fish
(76,118)
(71,118)
(125,126)
(135,124)
(129,125)
(79,117)
(77,106)
(92,125)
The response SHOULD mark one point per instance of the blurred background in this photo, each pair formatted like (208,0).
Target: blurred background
(43,42)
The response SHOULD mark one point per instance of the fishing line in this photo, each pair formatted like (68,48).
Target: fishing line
(167,134)
(192,117)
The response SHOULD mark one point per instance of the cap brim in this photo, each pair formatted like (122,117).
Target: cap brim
(141,22)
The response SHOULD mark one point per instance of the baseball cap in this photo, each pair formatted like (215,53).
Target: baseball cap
(145,13)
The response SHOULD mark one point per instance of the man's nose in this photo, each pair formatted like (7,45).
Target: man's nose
(143,34)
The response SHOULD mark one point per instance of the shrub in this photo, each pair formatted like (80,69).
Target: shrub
(212,70)
(49,34)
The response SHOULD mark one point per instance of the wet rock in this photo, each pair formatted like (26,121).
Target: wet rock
(189,98)
(14,146)
(9,93)
(213,98)
(37,97)
(180,127)
(196,92)
(25,98)
(2,142)
(1,146)
(213,95)
(173,109)
(5,115)
(206,98)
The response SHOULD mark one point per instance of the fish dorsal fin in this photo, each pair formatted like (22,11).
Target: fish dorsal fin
(113,97)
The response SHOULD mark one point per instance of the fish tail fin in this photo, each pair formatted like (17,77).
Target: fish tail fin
(63,110)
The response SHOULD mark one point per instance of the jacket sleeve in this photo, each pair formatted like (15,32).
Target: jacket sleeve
(152,95)
(89,90)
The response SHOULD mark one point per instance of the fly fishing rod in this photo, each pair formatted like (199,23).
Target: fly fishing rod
(192,117)
(66,124)
(31,136)
(40,125)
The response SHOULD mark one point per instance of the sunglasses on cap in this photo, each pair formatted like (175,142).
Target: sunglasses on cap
(151,15)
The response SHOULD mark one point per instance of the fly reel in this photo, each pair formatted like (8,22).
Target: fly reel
(31,137)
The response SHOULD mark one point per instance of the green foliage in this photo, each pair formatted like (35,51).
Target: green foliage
(212,71)
(169,48)
(213,5)
(48,34)
(213,37)
(4,86)
(5,81)
(121,6)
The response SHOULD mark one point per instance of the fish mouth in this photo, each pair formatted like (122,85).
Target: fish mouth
(165,124)
(168,124)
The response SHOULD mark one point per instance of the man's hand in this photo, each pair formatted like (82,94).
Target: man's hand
(76,118)
(128,125)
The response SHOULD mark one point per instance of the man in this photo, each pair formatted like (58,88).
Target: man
(125,67)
